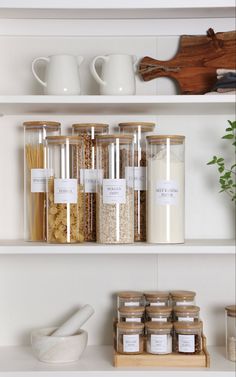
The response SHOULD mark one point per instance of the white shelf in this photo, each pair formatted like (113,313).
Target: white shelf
(90,104)
(214,247)
(97,361)
(116,8)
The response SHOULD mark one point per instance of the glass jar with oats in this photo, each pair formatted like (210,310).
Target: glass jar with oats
(88,132)
(35,173)
(139,130)
(65,192)
(115,202)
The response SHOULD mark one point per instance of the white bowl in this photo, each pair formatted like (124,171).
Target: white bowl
(58,349)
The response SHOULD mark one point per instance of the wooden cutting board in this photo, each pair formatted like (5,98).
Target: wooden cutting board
(194,66)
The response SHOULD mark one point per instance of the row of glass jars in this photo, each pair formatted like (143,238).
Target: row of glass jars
(161,338)
(98,192)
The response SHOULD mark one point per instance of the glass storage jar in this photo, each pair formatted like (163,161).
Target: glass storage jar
(188,337)
(131,314)
(230,316)
(35,173)
(115,204)
(65,202)
(184,298)
(165,185)
(139,131)
(157,298)
(159,337)
(186,313)
(129,298)
(159,313)
(88,132)
(130,338)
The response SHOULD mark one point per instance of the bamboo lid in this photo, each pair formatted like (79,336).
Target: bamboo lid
(188,325)
(130,294)
(231,310)
(158,310)
(84,127)
(161,139)
(158,325)
(35,125)
(181,295)
(59,140)
(157,295)
(133,126)
(128,310)
(130,326)
(124,139)
(192,309)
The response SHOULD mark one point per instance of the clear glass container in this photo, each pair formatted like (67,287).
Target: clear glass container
(230,327)
(184,298)
(115,202)
(130,338)
(130,298)
(159,313)
(165,189)
(157,298)
(186,313)
(188,337)
(139,130)
(159,337)
(131,314)
(35,173)
(65,201)
(88,132)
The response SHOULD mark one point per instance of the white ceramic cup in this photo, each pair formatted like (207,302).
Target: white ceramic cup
(62,74)
(117,74)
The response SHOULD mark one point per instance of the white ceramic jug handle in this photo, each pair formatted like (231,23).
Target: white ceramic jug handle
(34,72)
(93,69)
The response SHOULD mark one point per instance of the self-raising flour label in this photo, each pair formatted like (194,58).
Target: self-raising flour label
(167,192)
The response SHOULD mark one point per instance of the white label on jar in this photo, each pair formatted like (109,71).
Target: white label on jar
(114,191)
(136,177)
(131,343)
(65,191)
(157,304)
(159,319)
(135,303)
(184,303)
(185,319)
(88,178)
(38,179)
(159,343)
(133,320)
(167,192)
(186,343)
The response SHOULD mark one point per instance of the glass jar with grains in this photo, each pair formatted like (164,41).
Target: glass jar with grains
(157,298)
(131,314)
(35,174)
(130,338)
(115,202)
(159,313)
(65,202)
(139,131)
(159,337)
(188,337)
(230,317)
(184,298)
(186,313)
(130,298)
(88,132)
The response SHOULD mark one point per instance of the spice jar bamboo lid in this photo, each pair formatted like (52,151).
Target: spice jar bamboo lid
(123,138)
(176,295)
(192,309)
(35,125)
(128,310)
(157,295)
(159,325)
(187,325)
(58,140)
(130,326)
(158,310)
(231,310)
(84,127)
(130,294)
(133,126)
(160,139)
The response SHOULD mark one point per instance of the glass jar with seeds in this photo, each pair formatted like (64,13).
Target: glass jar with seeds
(184,298)
(186,313)
(35,173)
(157,298)
(88,132)
(139,131)
(159,337)
(159,313)
(230,323)
(130,338)
(187,337)
(131,314)
(65,201)
(130,298)
(115,204)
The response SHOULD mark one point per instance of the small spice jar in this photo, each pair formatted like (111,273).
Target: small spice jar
(158,313)
(157,298)
(188,337)
(186,313)
(184,298)
(159,338)
(131,314)
(129,298)
(139,131)
(130,338)
(230,327)
(88,132)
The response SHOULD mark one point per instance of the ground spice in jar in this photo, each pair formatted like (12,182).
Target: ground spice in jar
(129,298)
(188,337)
(131,314)
(159,313)
(159,337)
(157,298)
(184,298)
(130,339)
(186,313)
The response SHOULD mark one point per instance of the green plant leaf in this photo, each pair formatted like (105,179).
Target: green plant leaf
(221,169)
(233,166)
(220,159)
(229,129)
(228,136)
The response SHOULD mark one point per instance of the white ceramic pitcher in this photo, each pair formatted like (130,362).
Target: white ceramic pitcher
(62,74)
(117,74)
